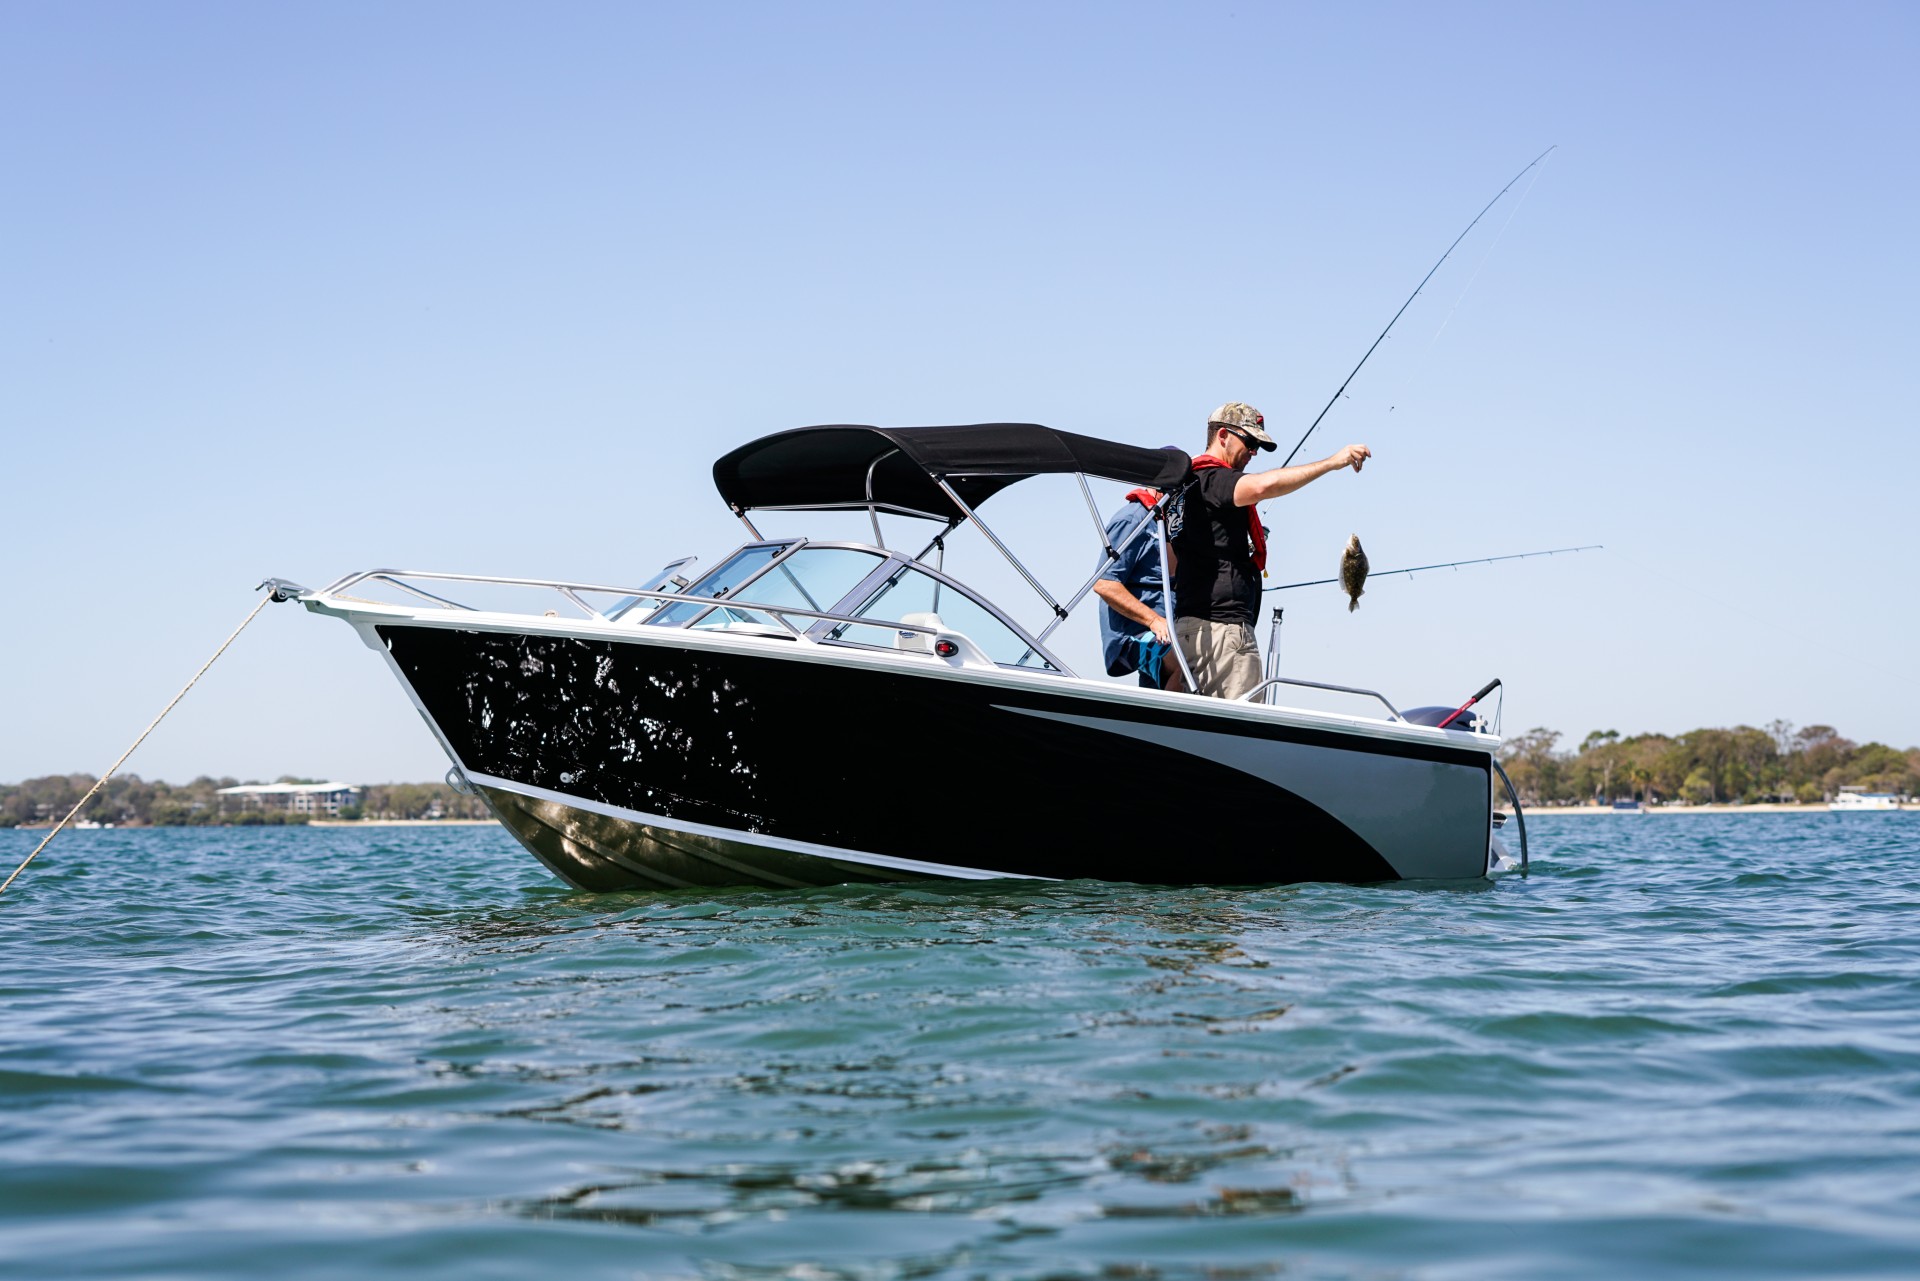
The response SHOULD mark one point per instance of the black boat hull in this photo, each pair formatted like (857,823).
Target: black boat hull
(629,763)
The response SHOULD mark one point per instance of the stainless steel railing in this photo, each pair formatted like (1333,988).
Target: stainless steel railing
(1271,681)
(570,592)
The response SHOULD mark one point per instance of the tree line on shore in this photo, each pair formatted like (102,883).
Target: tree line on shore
(1706,766)
(1702,766)
(131,801)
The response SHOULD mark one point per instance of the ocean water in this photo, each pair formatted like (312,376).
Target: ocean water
(1683,1047)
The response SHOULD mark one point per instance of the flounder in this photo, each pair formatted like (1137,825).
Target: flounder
(1353,572)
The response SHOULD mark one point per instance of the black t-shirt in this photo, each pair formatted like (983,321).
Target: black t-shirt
(1214,577)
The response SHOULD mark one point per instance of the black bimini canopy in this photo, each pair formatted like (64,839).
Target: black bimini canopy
(848,468)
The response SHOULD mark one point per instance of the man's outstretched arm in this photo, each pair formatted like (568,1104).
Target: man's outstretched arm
(1261,486)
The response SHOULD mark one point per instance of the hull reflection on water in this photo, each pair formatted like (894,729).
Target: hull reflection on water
(599,852)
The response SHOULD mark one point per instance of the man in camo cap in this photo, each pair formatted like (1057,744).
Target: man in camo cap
(1220,546)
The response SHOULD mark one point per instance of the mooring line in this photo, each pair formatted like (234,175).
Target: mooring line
(264,601)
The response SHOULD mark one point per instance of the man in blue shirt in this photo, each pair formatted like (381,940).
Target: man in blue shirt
(1133,624)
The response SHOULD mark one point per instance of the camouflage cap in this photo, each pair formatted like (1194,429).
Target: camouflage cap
(1244,418)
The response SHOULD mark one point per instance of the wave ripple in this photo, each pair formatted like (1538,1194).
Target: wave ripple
(1681,1047)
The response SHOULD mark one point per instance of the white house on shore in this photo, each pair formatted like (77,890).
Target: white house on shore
(319,799)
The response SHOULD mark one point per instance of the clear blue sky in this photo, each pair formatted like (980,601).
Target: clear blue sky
(298,290)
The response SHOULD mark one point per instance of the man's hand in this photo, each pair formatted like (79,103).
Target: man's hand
(1132,608)
(1260,486)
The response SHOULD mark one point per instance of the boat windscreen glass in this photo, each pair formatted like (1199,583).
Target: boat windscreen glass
(910,591)
(814,578)
(718,581)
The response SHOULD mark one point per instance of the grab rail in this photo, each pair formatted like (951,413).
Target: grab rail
(570,592)
(1270,682)
(1519,817)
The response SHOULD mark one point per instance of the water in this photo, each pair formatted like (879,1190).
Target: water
(1686,1046)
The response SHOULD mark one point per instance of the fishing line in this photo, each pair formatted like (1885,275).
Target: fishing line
(1445,564)
(1341,391)
(1412,374)
(1487,255)
(102,781)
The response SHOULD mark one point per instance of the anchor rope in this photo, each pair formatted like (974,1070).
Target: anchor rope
(136,742)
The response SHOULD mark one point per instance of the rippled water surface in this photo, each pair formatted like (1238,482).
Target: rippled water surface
(1685,1046)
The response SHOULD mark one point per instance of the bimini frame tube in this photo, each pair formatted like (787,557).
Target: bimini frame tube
(938,542)
(995,540)
(1166,577)
(873,511)
(1099,526)
(1273,657)
(1113,555)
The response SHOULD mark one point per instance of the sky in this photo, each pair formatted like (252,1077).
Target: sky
(298,290)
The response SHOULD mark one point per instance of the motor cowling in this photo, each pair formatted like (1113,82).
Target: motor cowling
(1467,720)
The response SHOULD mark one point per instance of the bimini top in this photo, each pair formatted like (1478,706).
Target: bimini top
(849,468)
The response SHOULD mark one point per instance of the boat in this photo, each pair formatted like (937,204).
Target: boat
(810,712)
(1853,800)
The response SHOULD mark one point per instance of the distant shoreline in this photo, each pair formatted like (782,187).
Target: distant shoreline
(312,822)
(1817,807)
(399,822)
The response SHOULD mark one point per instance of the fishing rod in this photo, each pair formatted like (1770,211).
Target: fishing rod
(1450,564)
(1415,294)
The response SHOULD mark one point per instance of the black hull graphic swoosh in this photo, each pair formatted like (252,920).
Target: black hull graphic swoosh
(1426,818)
(941,771)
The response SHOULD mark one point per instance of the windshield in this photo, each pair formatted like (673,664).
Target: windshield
(813,578)
(822,580)
(718,581)
(910,591)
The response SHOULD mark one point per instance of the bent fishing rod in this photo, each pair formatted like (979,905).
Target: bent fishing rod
(1447,564)
(1415,294)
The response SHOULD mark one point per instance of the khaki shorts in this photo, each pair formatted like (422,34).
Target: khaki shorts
(1224,656)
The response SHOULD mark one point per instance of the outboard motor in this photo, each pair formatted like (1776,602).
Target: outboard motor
(1467,720)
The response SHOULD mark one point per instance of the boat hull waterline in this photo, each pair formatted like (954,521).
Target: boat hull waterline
(626,763)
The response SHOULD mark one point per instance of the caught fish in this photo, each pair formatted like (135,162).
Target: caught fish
(1353,572)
